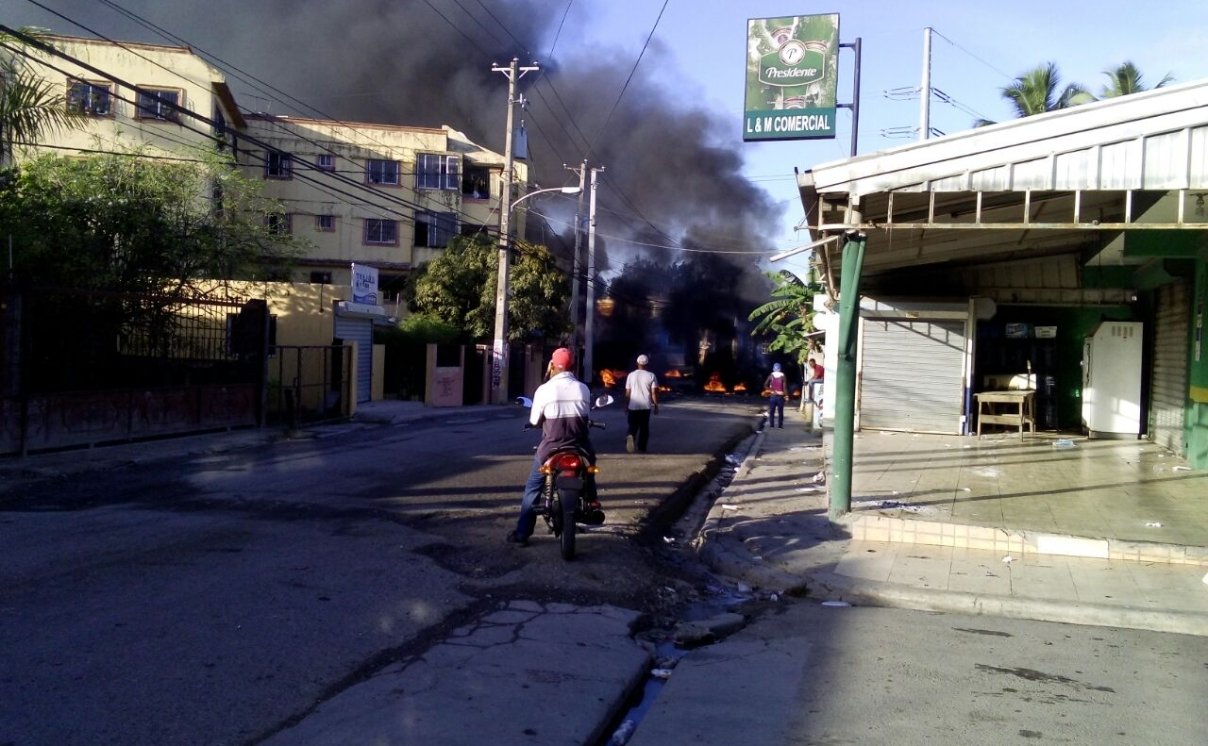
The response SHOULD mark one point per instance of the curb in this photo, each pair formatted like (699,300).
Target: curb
(828,585)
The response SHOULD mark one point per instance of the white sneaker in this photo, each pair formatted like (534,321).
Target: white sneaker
(629,443)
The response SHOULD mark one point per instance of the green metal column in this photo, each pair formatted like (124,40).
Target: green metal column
(843,393)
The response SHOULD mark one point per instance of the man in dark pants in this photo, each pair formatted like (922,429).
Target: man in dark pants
(641,399)
(561,407)
(777,386)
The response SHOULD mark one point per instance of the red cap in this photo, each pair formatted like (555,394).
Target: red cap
(562,358)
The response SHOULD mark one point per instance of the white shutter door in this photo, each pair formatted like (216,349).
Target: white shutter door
(912,375)
(360,331)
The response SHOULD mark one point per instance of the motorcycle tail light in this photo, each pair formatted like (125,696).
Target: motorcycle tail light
(565,462)
(593,470)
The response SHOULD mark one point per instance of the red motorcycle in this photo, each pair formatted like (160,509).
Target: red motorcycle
(568,495)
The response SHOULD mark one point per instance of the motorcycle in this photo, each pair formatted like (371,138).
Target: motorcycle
(568,494)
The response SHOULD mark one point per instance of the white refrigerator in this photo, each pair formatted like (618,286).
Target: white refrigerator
(1111,380)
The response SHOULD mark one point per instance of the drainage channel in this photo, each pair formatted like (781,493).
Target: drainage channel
(719,598)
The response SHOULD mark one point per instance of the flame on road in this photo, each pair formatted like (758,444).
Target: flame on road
(611,377)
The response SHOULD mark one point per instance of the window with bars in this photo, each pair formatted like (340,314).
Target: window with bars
(434,171)
(89,98)
(278,223)
(434,229)
(379,171)
(159,103)
(278,165)
(379,232)
(325,162)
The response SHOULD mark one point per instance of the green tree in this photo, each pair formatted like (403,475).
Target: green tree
(1036,92)
(1125,79)
(459,288)
(788,318)
(30,104)
(124,222)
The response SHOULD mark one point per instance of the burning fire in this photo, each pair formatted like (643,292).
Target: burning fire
(740,388)
(673,373)
(611,377)
(715,386)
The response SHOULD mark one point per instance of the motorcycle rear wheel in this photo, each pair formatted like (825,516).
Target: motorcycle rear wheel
(566,516)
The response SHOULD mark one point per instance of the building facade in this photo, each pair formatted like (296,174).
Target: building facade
(999,258)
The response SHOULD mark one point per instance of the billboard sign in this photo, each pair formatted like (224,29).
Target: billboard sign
(364,284)
(792,71)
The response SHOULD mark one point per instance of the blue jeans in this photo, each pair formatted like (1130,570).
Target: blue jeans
(532,488)
(775,404)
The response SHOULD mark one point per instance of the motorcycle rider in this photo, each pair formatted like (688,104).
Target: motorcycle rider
(561,407)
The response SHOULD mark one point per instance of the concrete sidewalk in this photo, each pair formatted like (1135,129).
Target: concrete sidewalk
(1109,533)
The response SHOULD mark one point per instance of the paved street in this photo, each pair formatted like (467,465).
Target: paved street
(228,595)
(307,593)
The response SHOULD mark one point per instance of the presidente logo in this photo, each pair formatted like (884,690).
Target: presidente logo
(795,63)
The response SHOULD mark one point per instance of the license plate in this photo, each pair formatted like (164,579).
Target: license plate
(570,483)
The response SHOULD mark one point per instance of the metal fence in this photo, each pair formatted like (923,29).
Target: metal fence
(309,383)
(82,368)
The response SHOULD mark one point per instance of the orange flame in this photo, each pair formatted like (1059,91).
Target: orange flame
(611,377)
(673,373)
(740,388)
(715,386)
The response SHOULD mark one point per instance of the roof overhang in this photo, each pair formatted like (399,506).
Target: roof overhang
(1083,179)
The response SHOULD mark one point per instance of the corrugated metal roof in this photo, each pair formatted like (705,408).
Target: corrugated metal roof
(1074,179)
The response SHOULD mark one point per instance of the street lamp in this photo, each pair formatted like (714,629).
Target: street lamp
(499,351)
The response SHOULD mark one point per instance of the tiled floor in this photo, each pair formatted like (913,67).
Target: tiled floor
(1120,489)
(1103,582)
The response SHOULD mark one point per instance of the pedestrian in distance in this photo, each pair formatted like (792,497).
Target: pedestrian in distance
(641,400)
(561,408)
(815,382)
(778,386)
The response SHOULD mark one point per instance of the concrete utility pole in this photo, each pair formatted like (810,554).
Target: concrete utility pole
(574,272)
(590,312)
(925,88)
(499,352)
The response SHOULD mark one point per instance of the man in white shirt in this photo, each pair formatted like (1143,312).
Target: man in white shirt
(561,407)
(641,399)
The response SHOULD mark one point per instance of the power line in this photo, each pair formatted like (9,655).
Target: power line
(604,127)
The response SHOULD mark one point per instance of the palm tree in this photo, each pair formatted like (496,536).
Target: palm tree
(30,105)
(1126,79)
(788,318)
(1035,92)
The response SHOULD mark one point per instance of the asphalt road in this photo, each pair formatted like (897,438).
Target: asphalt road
(220,599)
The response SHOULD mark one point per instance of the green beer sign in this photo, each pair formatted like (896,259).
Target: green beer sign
(792,66)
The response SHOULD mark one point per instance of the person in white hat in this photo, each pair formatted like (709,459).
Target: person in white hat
(641,399)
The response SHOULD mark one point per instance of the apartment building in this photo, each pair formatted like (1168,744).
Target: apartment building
(162,99)
(383,195)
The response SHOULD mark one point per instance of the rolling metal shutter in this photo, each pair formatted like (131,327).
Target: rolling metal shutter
(1168,392)
(912,375)
(359,330)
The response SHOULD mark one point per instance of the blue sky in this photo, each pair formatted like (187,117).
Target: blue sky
(977,48)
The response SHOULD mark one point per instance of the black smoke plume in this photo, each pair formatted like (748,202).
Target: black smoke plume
(673,168)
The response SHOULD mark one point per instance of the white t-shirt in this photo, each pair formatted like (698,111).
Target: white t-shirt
(640,385)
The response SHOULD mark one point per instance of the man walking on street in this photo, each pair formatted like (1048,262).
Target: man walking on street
(777,385)
(642,399)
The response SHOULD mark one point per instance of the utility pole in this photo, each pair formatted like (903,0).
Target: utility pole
(499,351)
(925,88)
(574,272)
(590,311)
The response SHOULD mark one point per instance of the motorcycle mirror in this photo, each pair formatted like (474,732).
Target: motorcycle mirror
(603,401)
(524,401)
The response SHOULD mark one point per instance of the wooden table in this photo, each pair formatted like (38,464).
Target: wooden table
(1005,408)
